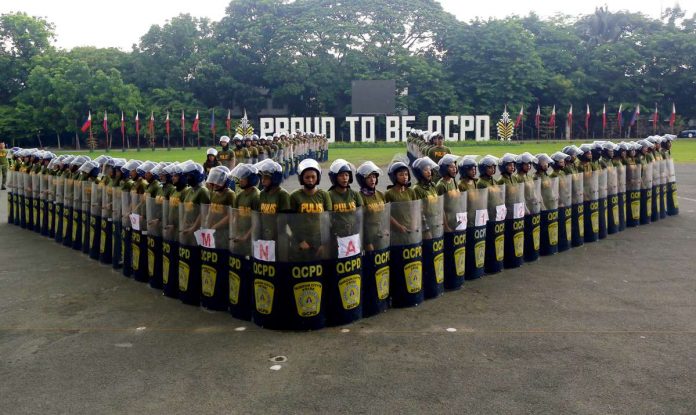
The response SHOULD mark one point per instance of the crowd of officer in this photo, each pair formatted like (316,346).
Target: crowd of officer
(227,236)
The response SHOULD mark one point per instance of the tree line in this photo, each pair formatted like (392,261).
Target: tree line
(305,53)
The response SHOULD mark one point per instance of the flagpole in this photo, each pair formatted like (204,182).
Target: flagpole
(90,138)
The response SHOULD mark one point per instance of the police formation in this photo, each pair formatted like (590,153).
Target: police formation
(233,239)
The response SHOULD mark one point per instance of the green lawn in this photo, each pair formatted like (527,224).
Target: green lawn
(381,153)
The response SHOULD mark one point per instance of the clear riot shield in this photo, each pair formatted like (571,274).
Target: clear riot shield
(214,240)
(672,203)
(591,202)
(44,185)
(116,227)
(656,191)
(515,201)
(646,192)
(76,216)
(11,194)
(633,184)
(495,229)
(406,254)
(154,208)
(477,219)
(603,203)
(35,194)
(170,247)
(190,219)
(455,223)
(663,188)
(433,244)
(28,201)
(344,278)
(59,205)
(105,224)
(578,213)
(548,216)
(565,212)
(126,234)
(621,191)
(239,273)
(68,190)
(532,220)
(613,217)
(85,212)
(376,237)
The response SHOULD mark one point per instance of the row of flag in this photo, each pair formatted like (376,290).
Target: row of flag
(151,123)
(619,117)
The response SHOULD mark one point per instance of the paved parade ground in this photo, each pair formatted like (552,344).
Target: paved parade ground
(607,328)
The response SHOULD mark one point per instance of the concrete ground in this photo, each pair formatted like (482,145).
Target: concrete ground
(608,328)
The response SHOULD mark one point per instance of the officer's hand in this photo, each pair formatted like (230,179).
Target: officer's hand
(304,246)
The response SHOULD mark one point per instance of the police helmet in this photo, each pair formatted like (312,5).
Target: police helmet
(145,168)
(211,152)
(90,168)
(525,158)
(79,161)
(340,166)
(366,169)
(117,163)
(507,159)
(246,171)
(224,139)
(219,175)
(130,165)
(485,162)
(436,134)
(268,167)
(540,159)
(159,169)
(446,161)
(396,167)
(172,169)
(465,163)
(420,164)
(102,159)
(308,164)
(194,171)
(560,156)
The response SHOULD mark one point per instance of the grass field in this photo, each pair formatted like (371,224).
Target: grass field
(381,153)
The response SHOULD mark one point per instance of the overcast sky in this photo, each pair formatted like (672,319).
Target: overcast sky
(121,23)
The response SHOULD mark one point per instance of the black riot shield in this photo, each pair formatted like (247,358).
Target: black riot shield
(532,220)
(154,208)
(549,216)
(76,216)
(433,246)
(10,195)
(105,225)
(35,201)
(495,228)
(664,175)
(477,219)
(59,206)
(565,212)
(406,254)
(51,206)
(95,211)
(126,234)
(190,217)
(672,203)
(646,193)
(633,184)
(18,198)
(514,223)
(456,221)
(344,282)
(613,217)
(43,187)
(139,236)
(170,247)
(621,191)
(603,203)
(214,240)
(578,213)
(27,201)
(85,212)
(590,196)
(239,271)
(656,191)
(376,237)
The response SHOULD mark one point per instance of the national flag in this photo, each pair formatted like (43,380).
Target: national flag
(587,118)
(636,116)
(552,119)
(655,117)
(195,124)
(604,117)
(519,117)
(105,124)
(123,126)
(88,122)
(537,117)
(212,122)
(570,116)
(137,123)
(673,117)
(166,123)
(619,116)
(228,121)
(151,127)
